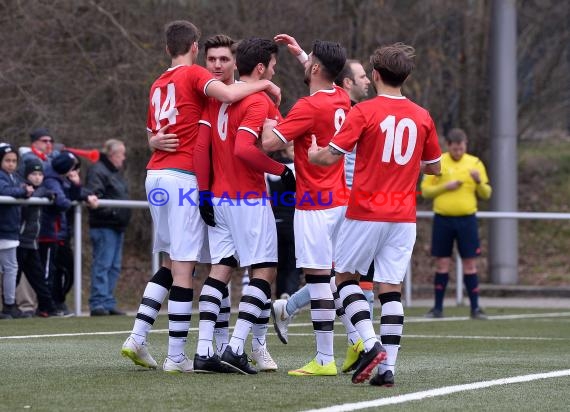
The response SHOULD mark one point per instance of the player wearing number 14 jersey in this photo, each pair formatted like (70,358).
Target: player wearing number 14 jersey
(394,137)
(177,98)
(319,208)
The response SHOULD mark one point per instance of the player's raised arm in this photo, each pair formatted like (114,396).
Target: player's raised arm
(293,47)
(237,91)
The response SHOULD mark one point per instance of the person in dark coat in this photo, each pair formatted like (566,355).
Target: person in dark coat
(107,227)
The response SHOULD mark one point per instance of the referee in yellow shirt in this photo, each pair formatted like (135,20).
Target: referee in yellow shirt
(463,179)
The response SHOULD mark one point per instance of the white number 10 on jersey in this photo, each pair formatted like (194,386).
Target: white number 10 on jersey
(168,109)
(394,138)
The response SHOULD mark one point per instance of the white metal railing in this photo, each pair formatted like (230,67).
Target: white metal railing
(458,263)
(143,204)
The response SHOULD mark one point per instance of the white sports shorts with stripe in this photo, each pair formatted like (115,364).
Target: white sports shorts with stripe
(179,229)
(247,232)
(389,243)
(316,236)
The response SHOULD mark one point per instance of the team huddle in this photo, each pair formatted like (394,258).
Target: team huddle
(210,136)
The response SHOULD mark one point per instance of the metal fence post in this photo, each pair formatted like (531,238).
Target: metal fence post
(459,279)
(77,259)
(408,285)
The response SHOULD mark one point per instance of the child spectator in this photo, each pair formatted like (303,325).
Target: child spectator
(61,178)
(29,261)
(10,185)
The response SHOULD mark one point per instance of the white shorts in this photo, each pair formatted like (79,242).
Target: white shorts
(389,243)
(179,229)
(247,232)
(315,236)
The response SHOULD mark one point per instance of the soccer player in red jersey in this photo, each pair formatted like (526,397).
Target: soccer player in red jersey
(177,99)
(395,136)
(318,208)
(241,223)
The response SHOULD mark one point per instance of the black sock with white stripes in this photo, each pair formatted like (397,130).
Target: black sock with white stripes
(179,315)
(209,306)
(259,328)
(154,293)
(391,328)
(357,309)
(221,330)
(322,315)
(250,307)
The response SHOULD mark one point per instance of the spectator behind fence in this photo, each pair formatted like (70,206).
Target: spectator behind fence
(29,262)
(41,147)
(107,227)
(10,185)
(61,178)
(463,179)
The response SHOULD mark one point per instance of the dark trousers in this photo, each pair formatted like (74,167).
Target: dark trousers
(57,261)
(30,264)
(288,276)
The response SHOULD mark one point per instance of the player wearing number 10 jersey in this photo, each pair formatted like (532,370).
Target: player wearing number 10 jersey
(394,137)
(318,208)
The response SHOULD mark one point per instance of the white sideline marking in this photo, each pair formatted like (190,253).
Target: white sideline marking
(416,396)
(408,320)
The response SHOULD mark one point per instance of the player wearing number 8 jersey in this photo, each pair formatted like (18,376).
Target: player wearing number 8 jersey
(394,137)
(177,99)
(318,208)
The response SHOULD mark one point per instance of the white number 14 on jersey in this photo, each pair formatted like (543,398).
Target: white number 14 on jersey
(168,108)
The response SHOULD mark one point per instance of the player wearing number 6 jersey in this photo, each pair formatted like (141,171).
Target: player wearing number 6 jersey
(177,99)
(319,208)
(394,137)
(241,223)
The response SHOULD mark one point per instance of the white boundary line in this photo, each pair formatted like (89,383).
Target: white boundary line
(408,320)
(416,396)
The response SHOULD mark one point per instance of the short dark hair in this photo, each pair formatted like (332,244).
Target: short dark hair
(251,52)
(394,63)
(346,72)
(180,34)
(220,40)
(456,136)
(332,57)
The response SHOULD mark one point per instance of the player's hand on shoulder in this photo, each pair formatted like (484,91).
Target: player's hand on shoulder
(274,92)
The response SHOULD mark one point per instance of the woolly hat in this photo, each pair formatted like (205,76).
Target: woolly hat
(39,133)
(64,162)
(33,165)
(6,148)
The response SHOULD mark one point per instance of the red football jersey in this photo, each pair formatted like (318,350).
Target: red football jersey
(394,136)
(232,177)
(322,113)
(177,98)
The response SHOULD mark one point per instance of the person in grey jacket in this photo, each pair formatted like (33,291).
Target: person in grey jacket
(107,227)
